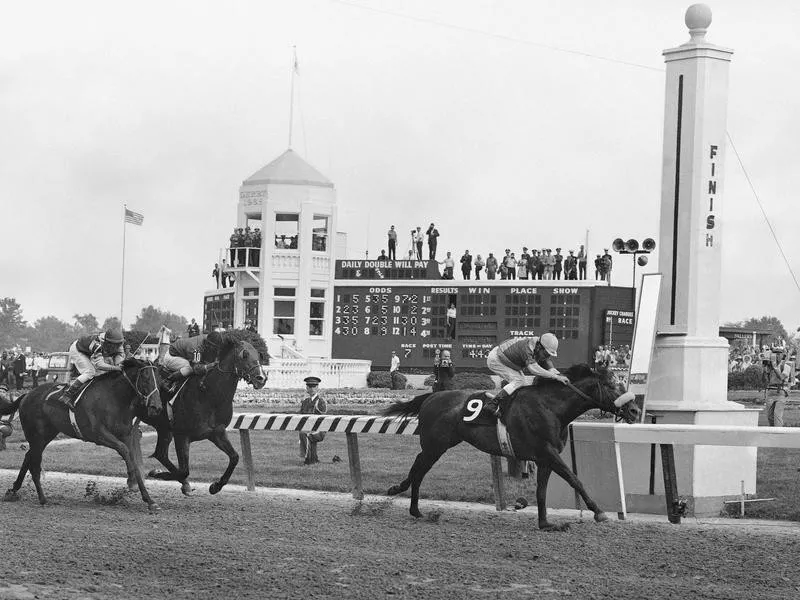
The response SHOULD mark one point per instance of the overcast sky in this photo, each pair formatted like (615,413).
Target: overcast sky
(509,138)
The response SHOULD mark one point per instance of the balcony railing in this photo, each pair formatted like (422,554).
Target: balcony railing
(243,258)
(288,373)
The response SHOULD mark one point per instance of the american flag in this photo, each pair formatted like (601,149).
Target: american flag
(133,217)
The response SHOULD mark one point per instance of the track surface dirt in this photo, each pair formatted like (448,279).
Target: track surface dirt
(286,544)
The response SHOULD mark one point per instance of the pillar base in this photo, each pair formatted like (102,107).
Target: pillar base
(707,475)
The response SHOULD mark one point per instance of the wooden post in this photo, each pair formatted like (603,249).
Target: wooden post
(670,483)
(497,483)
(355,465)
(247,455)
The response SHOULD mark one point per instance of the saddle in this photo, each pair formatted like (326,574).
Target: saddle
(473,414)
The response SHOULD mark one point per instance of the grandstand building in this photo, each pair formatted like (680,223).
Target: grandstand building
(301,292)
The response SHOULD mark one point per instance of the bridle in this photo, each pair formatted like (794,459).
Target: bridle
(616,410)
(135,386)
(239,372)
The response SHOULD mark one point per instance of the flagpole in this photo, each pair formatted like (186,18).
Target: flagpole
(291,94)
(122,289)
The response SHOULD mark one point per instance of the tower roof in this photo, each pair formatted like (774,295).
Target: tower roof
(289,169)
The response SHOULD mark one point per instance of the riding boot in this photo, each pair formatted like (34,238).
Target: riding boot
(70,395)
(493,404)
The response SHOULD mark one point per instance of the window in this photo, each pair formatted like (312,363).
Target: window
(317,313)
(287,231)
(283,322)
(218,312)
(319,234)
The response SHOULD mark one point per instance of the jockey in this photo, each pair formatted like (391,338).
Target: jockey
(92,354)
(196,355)
(512,357)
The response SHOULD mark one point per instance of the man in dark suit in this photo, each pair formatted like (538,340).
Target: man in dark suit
(20,368)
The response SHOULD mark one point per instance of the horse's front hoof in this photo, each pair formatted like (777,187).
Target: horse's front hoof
(154,508)
(42,500)
(415,513)
(186,489)
(214,487)
(600,516)
(10,496)
(153,473)
(394,490)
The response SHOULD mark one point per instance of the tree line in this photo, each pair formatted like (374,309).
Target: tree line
(51,334)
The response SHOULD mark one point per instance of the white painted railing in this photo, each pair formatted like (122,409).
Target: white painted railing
(289,373)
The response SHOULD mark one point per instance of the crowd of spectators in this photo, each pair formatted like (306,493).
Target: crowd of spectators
(544,264)
(16,366)
(741,357)
(612,356)
(245,247)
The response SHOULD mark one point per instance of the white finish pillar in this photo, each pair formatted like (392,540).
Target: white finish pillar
(688,376)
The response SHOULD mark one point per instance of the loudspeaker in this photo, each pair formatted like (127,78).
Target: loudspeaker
(618,245)
(649,244)
(632,245)
(642,260)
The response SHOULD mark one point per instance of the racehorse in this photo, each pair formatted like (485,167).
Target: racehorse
(203,412)
(536,420)
(104,415)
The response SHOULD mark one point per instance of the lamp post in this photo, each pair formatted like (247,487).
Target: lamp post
(632,247)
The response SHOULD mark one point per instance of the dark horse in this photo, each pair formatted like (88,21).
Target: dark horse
(104,416)
(537,422)
(204,414)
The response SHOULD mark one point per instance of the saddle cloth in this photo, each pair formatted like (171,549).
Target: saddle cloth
(473,414)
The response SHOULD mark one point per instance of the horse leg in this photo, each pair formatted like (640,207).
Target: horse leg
(106,438)
(542,477)
(11,493)
(560,467)
(135,448)
(423,463)
(161,454)
(182,442)
(220,439)
(33,463)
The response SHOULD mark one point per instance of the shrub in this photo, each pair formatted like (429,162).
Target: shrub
(379,379)
(749,379)
(467,381)
(253,338)
(472,381)
(399,380)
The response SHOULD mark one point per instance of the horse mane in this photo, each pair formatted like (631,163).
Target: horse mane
(132,361)
(229,344)
(574,373)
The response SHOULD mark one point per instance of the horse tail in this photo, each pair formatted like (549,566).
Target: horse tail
(405,409)
(9,408)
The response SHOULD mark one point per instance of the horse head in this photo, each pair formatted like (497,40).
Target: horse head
(246,362)
(602,387)
(144,379)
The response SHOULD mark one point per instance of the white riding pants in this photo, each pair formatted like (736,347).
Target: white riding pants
(176,363)
(83,363)
(515,377)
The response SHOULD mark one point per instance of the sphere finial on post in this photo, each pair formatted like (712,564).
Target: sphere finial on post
(697,19)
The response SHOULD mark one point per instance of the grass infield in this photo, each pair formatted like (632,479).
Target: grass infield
(463,473)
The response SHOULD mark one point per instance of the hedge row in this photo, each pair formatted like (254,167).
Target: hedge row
(383,379)
(468,381)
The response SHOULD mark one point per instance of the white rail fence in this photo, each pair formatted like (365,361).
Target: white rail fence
(611,484)
(289,373)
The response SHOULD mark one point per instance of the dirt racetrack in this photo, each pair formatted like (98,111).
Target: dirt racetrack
(286,544)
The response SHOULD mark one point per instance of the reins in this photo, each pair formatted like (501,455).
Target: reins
(588,398)
(136,385)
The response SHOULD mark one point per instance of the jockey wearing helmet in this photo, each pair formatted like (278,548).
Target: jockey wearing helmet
(191,355)
(510,359)
(91,355)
